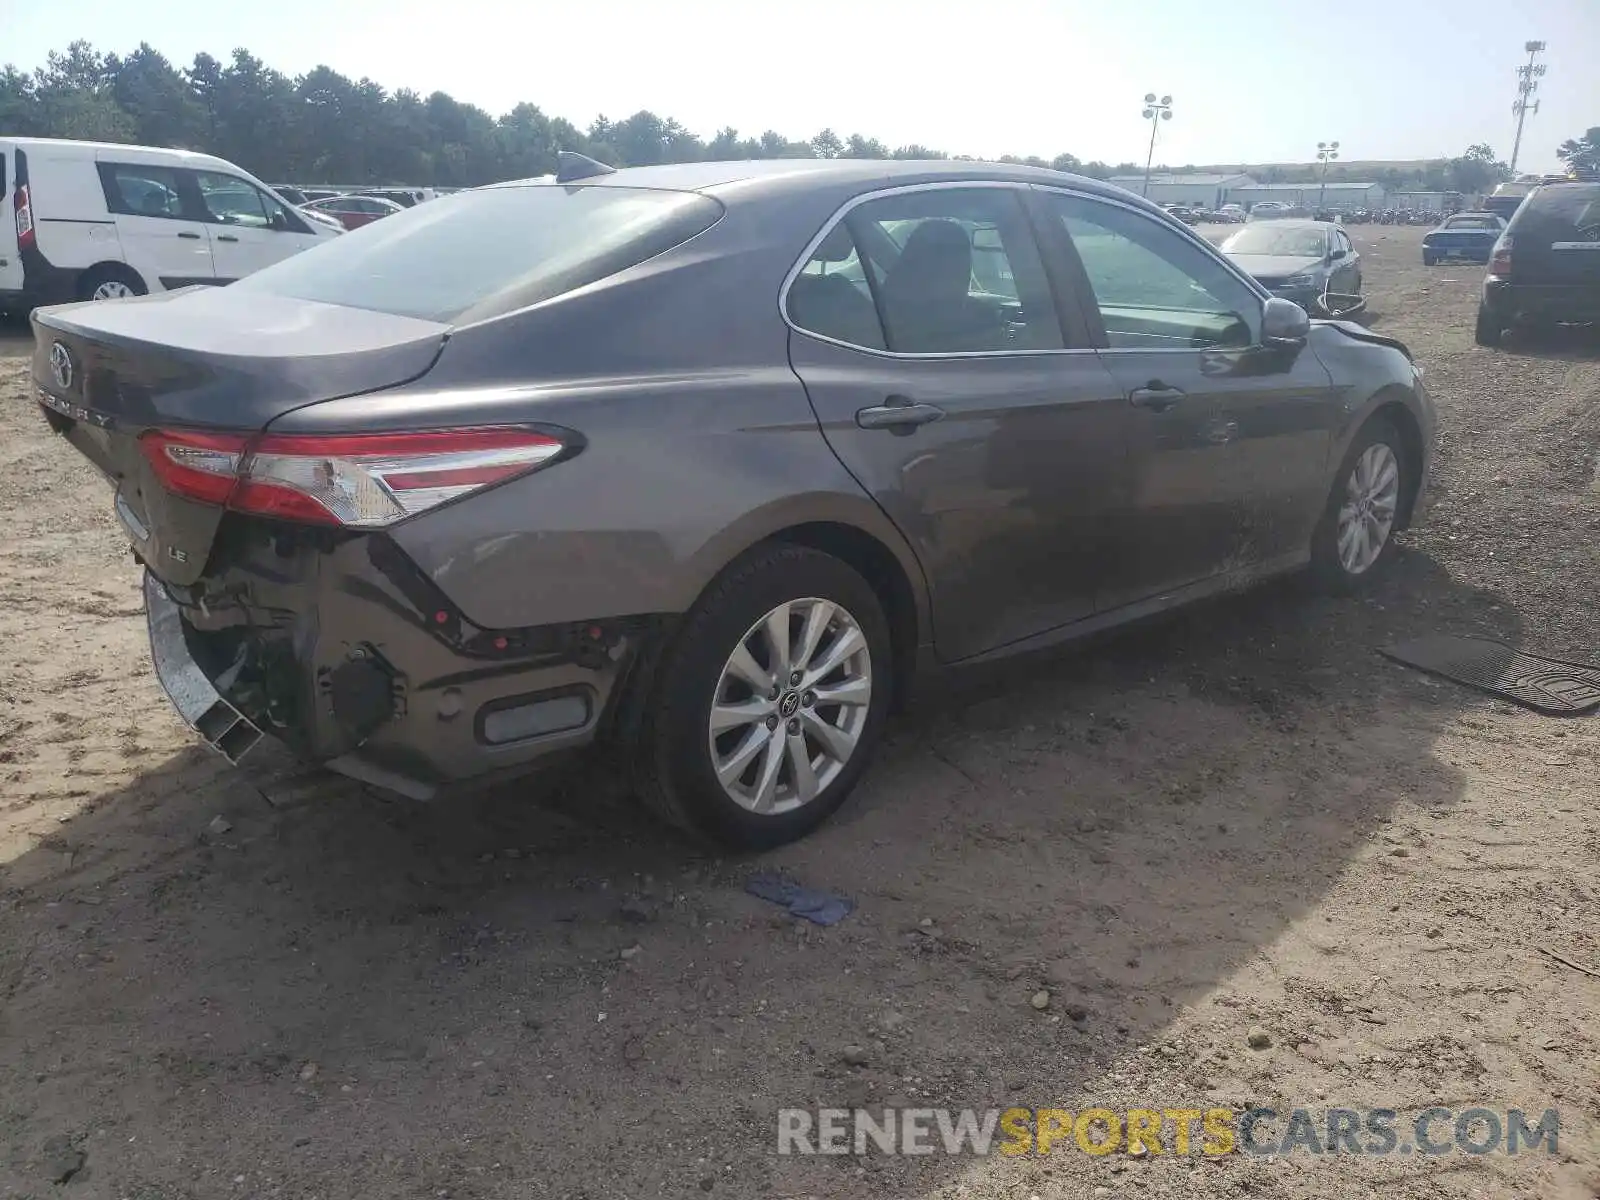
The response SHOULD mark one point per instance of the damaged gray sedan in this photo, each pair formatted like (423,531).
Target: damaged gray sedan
(709,464)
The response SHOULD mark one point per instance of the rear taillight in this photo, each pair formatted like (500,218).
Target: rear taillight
(199,466)
(24,214)
(1500,257)
(358,480)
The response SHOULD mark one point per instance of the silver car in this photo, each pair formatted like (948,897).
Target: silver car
(709,464)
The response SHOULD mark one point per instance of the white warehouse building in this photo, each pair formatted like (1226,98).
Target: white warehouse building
(1200,191)
(1340,195)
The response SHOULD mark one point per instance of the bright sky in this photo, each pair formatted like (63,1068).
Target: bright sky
(1252,80)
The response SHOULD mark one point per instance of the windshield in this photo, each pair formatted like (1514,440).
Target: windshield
(1472,223)
(1277,240)
(485,252)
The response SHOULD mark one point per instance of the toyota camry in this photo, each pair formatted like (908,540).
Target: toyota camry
(709,464)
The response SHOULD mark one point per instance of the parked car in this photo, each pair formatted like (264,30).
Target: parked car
(1271,210)
(1312,263)
(98,221)
(321,218)
(1183,213)
(1467,235)
(708,462)
(292,194)
(404,197)
(354,211)
(1231,214)
(1545,268)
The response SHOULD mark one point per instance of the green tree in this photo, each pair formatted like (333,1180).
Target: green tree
(827,145)
(158,98)
(1478,170)
(1582,154)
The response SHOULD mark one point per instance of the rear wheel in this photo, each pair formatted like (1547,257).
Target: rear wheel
(111,282)
(1355,538)
(767,707)
(1428,260)
(1487,331)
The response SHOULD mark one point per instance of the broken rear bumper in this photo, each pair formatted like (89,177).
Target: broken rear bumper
(346,653)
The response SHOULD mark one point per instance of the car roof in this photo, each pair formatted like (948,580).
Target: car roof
(26,143)
(799,174)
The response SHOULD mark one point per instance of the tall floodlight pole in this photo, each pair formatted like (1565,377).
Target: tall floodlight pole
(1326,153)
(1155,111)
(1528,76)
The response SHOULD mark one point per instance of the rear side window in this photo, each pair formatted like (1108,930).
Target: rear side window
(1560,213)
(135,190)
(490,251)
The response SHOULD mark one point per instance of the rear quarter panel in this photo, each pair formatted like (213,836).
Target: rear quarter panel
(74,229)
(699,439)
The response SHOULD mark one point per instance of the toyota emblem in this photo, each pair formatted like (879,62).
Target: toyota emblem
(61,365)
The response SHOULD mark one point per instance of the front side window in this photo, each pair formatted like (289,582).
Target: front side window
(135,190)
(232,201)
(1154,287)
(936,271)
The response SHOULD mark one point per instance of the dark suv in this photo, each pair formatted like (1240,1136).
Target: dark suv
(1545,268)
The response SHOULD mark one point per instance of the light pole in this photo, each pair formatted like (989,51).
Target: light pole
(1528,76)
(1326,153)
(1155,111)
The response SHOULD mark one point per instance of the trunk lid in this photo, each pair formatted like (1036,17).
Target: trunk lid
(210,361)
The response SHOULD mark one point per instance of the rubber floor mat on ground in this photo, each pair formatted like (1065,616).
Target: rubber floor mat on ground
(1547,685)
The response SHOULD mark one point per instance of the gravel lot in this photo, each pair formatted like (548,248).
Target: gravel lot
(1240,817)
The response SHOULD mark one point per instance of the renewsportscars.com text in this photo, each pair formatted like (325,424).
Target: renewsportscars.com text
(1182,1131)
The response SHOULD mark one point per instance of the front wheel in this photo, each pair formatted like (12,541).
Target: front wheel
(765,710)
(1428,260)
(1355,538)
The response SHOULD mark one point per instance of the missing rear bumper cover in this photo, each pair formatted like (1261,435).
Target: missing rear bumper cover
(225,729)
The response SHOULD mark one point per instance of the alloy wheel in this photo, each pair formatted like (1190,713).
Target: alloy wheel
(112,289)
(790,706)
(1366,518)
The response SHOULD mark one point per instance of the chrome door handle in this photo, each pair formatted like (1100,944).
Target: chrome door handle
(903,416)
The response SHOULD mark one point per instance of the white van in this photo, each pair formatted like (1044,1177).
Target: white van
(95,221)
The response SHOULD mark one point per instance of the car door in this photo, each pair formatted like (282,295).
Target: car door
(1346,274)
(248,228)
(929,344)
(10,219)
(1229,438)
(157,223)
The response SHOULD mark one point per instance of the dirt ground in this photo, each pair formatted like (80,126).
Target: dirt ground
(1240,817)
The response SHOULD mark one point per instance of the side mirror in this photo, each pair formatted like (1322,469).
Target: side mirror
(278,221)
(1335,255)
(1284,324)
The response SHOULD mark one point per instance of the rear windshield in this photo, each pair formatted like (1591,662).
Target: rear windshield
(1564,211)
(481,253)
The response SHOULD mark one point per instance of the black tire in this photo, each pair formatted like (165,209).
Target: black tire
(92,279)
(1487,331)
(670,756)
(1327,568)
